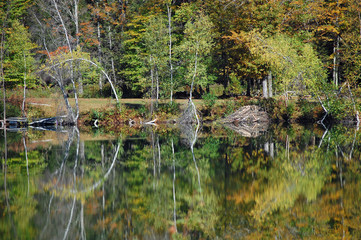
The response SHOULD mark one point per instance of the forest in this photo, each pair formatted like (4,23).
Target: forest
(169,49)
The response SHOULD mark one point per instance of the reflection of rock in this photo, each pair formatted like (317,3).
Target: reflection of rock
(249,130)
(248,121)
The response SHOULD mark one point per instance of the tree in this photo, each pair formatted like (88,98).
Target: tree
(195,49)
(155,39)
(295,64)
(19,62)
(132,65)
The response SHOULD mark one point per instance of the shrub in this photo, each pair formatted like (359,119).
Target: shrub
(209,99)
(170,107)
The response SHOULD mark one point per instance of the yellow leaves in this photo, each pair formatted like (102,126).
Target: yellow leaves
(327,29)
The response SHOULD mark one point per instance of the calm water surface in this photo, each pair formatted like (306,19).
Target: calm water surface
(292,182)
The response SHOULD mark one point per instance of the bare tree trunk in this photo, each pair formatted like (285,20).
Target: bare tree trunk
(71,71)
(157,83)
(152,87)
(2,49)
(93,63)
(336,62)
(194,75)
(270,92)
(112,59)
(170,50)
(77,33)
(24,96)
(99,54)
(265,90)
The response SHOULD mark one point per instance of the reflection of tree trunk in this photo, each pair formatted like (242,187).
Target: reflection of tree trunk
(27,161)
(83,232)
(66,154)
(159,156)
(353,143)
(195,164)
(266,147)
(74,184)
(174,197)
(194,158)
(154,161)
(287,148)
(103,191)
(70,219)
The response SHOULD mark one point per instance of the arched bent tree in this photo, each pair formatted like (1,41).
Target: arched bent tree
(55,71)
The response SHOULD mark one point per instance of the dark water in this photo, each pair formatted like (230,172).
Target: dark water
(291,182)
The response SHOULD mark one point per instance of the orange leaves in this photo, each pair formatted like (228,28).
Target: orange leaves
(59,50)
(87,33)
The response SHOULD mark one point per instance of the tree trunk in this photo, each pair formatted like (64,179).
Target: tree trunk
(71,66)
(152,88)
(265,90)
(270,93)
(157,82)
(111,50)
(24,94)
(170,51)
(194,75)
(2,49)
(336,61)
(99,51)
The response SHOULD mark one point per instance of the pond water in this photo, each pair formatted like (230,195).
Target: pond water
(290,182)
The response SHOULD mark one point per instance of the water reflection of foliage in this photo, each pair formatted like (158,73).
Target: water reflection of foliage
(246,191)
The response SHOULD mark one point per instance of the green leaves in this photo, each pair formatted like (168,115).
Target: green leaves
(295,63)
(195,49)
(19,60)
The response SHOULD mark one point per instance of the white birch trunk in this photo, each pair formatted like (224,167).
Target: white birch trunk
(24,94)
(170,50)
(270,92)
(99,51)
(194,75)
(265,90)
(71,66)
(112,59)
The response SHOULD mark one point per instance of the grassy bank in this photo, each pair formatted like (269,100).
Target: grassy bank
(137,111)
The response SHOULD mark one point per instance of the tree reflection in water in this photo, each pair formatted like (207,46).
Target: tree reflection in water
(294,182)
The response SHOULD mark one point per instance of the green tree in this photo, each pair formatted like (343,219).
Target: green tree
(19,61)
(195,50)
(295,64)
(156,40)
